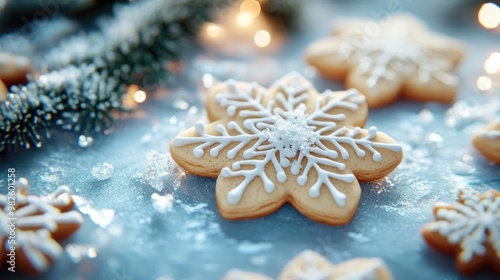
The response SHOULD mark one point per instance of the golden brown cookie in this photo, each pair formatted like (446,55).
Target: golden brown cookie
(13,68)
(386,59)
(3,91)
(487,141)
(286,144)
(310,265)
(469,229)
(31,226)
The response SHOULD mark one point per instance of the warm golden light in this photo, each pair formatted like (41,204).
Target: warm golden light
(492,64)
(262,38)
(250,6)
(483,83)
(489,15)
(213,30)
(244,19)
(139,96)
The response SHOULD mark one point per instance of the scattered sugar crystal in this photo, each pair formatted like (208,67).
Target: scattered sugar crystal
(162,203)
(247,247)
(103,171)
(425,116)
(101,217)
(77,252)
(180,104)
(85,141)
(159,168)
(462,168)
(435,139)
(208,80)
(358,237)
(259,260)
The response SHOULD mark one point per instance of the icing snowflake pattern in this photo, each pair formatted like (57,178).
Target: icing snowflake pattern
(396,55)
(473,223)
(393,51)
(283,135)
(309,265)
(38,222)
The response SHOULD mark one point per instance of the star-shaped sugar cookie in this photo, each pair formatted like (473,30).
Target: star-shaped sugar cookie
(14,68)
(286,144)
(469,229)
(487,141)
(394,57)
(30,227)
(309,265)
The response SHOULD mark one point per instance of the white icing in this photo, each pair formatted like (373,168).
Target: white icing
(37,217)
(392,52)
(471,224)
(492,134)
(368,272)
(311,271)
(281,134)
(39,248)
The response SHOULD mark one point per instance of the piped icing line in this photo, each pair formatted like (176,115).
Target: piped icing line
(311,271)
(37,219)
(383,56)
(282,135)
(367,272)
(472,223)
(39,248)
(491,134)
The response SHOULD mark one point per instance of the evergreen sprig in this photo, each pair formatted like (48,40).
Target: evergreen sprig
(85,77)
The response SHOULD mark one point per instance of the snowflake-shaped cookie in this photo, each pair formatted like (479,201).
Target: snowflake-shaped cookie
(487,141)
(30,227)
(397,55)
(309,265)
(470,229)
(286,144)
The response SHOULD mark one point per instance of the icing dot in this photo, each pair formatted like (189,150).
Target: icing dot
(340,199)
(284,162)
(314,192)
(231,111)
(231,154)
(281,177)
(233,197)
(302,180)
(361,153)
(225,172)
(236,165)
(295,168)
(198,153)
(377,157)
(232,125)
(214,152)
(341,166)
(247,154)
(333,154)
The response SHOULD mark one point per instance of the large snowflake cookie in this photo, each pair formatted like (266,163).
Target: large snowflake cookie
(487,141)
(310,265)
(30,227)
(469,229)
(284,144)
(396,56)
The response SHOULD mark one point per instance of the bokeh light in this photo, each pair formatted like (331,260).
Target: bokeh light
(213,30)
(492,63)
(489,15)
(139,96)
(244,19)
(262,38)
(483,83)
(250,6)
